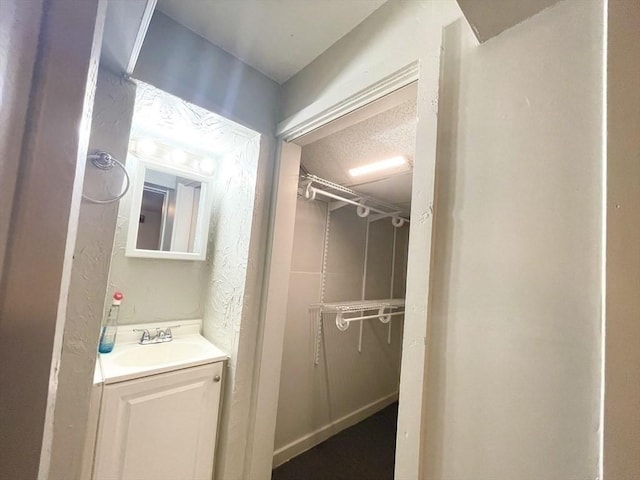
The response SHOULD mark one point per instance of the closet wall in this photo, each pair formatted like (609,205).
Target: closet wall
(345,386)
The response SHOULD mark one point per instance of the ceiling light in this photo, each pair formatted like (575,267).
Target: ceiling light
(378,166)
(146,146)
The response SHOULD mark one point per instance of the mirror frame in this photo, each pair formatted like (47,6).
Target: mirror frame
(204,212)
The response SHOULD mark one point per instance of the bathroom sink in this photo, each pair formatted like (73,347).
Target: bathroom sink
(130,360)
(159,353)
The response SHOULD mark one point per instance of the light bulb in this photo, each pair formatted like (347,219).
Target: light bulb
(207,166)
(178,156)
(146,146)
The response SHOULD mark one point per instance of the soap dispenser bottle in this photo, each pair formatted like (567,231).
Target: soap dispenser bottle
(108,335)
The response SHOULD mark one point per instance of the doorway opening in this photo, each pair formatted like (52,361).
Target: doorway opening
(340,372)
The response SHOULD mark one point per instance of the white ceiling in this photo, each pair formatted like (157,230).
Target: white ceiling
(387,134)
(277,37)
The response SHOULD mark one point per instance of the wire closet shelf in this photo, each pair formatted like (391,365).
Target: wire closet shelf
(374,209)
(344,312)
(385,310)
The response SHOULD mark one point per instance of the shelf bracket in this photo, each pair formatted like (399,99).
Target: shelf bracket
(333,206)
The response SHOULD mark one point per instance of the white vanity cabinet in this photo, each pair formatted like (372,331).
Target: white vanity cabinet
(160,426)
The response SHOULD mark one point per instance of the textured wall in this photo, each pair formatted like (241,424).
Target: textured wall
(314,398)
(154,289)
(44,219)
(514,364)
(165,289)
(233,291)
(112,113)
(19,24)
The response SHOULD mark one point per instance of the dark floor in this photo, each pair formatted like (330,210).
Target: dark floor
(365,451)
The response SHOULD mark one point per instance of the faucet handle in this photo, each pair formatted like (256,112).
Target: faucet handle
(168,333)
(146,336)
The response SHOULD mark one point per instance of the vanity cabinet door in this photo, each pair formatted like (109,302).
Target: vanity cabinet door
(160,427)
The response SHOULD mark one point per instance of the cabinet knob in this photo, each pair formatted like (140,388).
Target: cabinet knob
(216,378)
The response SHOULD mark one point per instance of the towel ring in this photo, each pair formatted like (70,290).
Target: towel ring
(105,161)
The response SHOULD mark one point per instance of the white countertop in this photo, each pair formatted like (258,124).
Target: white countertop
(129,359)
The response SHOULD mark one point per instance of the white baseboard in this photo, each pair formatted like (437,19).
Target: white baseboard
(302,444)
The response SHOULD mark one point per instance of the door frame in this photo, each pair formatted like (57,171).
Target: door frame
(411,416)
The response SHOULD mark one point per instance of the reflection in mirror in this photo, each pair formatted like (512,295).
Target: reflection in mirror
(168,213)
(170,210)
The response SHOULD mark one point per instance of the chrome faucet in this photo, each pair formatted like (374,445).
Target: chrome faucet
(162,335)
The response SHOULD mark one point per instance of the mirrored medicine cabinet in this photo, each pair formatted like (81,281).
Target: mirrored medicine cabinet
(170,212)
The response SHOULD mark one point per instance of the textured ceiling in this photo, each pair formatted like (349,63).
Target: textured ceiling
(277,37)
(382,136)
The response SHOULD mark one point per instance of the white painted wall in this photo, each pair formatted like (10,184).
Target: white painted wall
(112,113)
(622,359)
(317,401)
(514,363)
(44,213)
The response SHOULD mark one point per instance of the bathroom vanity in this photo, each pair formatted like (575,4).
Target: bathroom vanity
(159,405)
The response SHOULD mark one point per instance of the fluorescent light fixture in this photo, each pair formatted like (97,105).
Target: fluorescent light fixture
(377,166)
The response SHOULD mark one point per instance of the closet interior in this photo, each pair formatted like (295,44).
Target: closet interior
(345,311)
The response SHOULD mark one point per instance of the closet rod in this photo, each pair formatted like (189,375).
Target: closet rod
(310,193)
(367,317)
(343,323)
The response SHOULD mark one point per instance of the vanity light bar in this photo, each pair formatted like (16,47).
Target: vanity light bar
(378,166)
(165,154)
